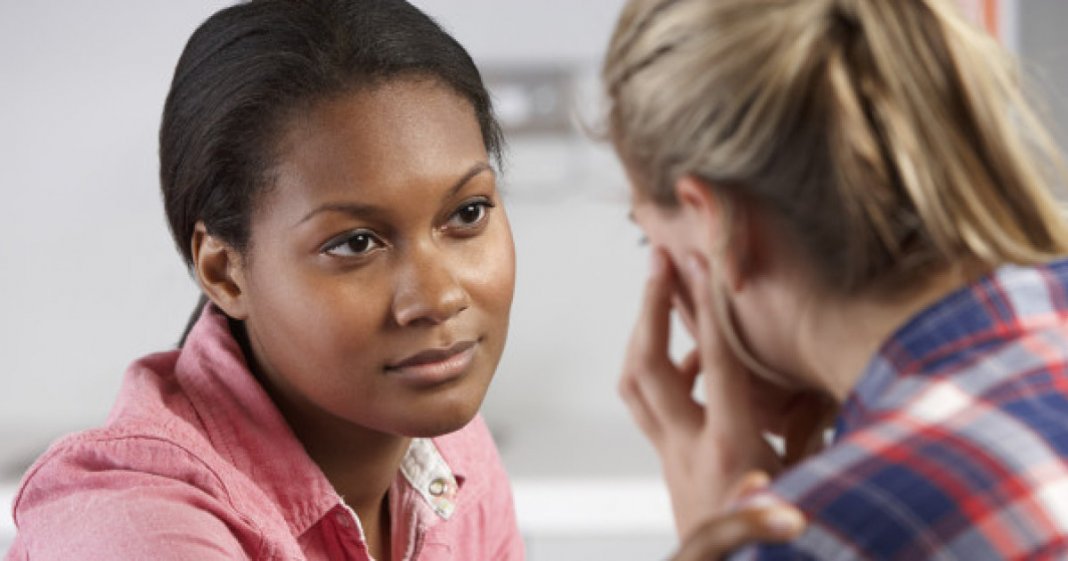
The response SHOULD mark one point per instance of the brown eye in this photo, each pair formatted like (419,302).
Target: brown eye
(470,215)
(354,244)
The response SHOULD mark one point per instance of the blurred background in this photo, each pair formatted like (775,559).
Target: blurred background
(89,278)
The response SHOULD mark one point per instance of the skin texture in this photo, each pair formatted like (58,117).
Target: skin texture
(383,236)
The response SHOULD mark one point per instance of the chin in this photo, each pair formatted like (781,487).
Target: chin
(437,421)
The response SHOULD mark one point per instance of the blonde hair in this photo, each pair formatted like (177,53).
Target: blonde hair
(890,135)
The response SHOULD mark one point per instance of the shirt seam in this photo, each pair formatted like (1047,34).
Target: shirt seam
(75,442)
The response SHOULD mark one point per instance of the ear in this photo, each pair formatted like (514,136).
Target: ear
(219,270)
(721,227)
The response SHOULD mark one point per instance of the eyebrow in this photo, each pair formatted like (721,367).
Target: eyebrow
(361,210)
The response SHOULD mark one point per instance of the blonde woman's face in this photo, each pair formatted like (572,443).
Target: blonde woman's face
(663,228)
(758,333)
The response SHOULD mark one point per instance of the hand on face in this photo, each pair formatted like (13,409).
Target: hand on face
(704,449)
(799,416)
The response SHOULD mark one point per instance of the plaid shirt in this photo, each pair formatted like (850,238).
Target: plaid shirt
(954,443)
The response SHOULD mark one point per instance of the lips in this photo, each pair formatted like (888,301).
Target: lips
(434,366)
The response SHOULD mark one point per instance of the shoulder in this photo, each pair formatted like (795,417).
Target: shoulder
(120,450)
(122,494)
(914,488)
(863,505)
(153,430)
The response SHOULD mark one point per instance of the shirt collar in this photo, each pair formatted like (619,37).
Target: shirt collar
(244,425)
(954,329)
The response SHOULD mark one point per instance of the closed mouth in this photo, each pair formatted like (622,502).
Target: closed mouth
(432,356)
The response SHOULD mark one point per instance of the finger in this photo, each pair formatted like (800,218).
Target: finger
(656,378)
(639,409)
(752,482)
(643,346)
(683,304)
(718,537)
(691,367)
(726,384)
(649,340)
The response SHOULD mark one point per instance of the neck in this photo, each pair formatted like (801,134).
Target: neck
(360,463)
(839,338)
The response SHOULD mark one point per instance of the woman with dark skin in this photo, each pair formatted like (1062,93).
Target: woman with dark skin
(327,168)
(389,191)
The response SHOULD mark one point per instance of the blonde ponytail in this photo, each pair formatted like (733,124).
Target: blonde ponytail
(891,135)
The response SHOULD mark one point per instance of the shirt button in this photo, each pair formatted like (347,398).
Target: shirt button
(438,487)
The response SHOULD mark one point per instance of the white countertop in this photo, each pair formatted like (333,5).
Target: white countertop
(580,507)
(7,525)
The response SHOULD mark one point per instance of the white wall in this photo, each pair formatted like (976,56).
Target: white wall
(1043,45)
(89,277)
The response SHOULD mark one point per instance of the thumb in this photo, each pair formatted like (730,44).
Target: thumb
(718,537)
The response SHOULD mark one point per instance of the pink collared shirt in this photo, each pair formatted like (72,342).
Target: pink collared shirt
(196,463)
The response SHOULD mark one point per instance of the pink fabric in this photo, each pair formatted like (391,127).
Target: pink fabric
(195,462)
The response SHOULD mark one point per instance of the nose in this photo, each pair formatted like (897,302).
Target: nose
(427,290)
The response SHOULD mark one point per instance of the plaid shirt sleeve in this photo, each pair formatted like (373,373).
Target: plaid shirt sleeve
(954,444)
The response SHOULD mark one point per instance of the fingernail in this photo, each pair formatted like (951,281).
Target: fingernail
(759,479)
(784,521)
(763,501)
(754,482)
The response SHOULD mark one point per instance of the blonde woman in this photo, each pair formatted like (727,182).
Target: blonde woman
(850,207)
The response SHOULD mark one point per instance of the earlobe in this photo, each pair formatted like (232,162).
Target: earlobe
(720,225)
(217,267)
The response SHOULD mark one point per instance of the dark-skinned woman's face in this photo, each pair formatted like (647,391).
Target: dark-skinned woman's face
(381,267)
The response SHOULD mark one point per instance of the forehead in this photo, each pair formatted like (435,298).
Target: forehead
(373,141)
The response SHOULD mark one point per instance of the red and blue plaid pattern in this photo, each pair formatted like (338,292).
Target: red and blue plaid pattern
(954,444)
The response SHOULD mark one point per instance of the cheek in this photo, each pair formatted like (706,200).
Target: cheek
(306,318)
(490,272)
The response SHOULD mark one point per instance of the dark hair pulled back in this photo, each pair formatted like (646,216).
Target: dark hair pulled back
(250,66)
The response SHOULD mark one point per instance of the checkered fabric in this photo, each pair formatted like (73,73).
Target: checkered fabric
(954,443)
